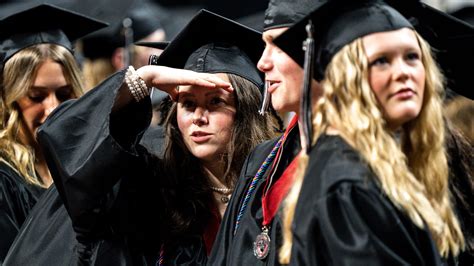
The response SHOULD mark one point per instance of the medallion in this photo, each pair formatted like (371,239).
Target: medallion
(261,246)
(225,199)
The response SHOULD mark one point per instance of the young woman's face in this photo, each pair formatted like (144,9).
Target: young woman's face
(284,74)
(396,74)
(205,118)
(49,89)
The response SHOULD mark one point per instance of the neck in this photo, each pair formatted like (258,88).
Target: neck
(221,198)
(42,169)
(214,175)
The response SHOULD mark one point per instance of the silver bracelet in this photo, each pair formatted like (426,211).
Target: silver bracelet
(136,85)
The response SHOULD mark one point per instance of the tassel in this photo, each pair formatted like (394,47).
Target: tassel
(306,104)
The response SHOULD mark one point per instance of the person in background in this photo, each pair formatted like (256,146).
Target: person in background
(112,49)
(375,190)
(38,72)
(130,207)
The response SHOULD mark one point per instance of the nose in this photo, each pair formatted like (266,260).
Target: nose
(200,116)
(264,63)
(401,70)
(50,103)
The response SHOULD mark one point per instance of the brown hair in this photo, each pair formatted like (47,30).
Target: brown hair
(185,187)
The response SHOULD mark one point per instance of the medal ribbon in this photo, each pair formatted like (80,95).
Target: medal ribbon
(261,171)
(272,199)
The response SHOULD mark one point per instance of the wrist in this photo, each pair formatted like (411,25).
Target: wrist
(136,84)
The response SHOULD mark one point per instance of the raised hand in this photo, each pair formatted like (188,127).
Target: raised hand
(168,79)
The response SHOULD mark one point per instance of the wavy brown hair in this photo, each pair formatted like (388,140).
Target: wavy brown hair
(186,189)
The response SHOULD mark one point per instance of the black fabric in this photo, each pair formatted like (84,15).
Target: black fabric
(108,186)
(285,13)
(214,44)
(343,218)
(46,231)
(465,13)
(461,185)
(154,140)
(28,24)
(238,249)
(17,198)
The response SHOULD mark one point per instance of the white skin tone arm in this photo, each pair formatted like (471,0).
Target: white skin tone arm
(168,79)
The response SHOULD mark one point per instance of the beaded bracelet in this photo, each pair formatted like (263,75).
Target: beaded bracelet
(136,85)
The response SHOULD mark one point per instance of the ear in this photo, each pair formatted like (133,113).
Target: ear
(117,58)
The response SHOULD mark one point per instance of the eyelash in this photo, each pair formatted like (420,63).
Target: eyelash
(383,59)
(216,101)
(379,61)
(413,56)
(61,96)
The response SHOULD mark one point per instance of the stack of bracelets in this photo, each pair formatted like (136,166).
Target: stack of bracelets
(136,84)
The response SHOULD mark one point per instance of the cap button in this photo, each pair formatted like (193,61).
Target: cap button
(200,63)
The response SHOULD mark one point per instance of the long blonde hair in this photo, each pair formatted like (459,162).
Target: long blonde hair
(413,176)
(19,73)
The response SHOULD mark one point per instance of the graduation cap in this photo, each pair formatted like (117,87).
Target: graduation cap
(339,22)
(130,21)
(465,13)
(30,24)
(285,13)
(336,23)
(224,46)
(157,45)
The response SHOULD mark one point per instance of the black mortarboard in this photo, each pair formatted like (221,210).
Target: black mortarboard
(285,13)
(211,43)
(465,13)
(29,24)
(157,45)
(339,22)
(144,17)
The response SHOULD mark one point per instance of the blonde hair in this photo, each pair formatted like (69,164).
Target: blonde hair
(19,73)
(413,176)
(96,71)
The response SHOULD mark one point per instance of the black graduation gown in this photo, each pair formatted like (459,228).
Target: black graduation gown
(46,237)
(17,198)
(238,250)
(107,181)
(343,217)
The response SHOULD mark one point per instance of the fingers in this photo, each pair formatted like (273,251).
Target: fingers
(212,81)
(219,83)
(166,79)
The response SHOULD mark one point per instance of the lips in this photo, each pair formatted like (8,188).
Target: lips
(404,93)
(273,85)
(200,136)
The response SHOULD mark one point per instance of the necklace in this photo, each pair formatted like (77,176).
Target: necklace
(221,190)
(225,193)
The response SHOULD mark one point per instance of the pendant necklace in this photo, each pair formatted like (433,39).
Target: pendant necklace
(224,192)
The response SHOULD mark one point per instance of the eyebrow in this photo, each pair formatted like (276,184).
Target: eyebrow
(212,92)
(42,88)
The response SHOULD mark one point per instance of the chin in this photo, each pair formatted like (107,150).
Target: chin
(203,155)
